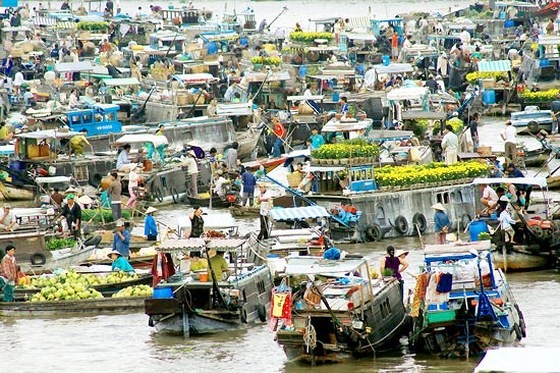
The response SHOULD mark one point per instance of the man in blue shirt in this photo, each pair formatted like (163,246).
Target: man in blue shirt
(121,240)
(441,223)
(249,181)
(344,105)
(315,139)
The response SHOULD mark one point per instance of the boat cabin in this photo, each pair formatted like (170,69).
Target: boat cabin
(99,119)
(167,40)
(379,25)
(532,120)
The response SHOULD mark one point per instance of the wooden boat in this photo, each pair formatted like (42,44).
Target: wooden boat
(243,211)
(469,310)
(549,10)
(519,260)
(194,306)
(71,307)
(205,201)
(345,313)
(10,192)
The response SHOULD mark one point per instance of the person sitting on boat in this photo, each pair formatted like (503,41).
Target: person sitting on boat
(219,185)
(123,159)
(506,221)
(197,222)
(7,219)
(8,273)
(489,198)
(218,264)
(442,223)
(316,140)
(394,263)
(150,226)
(119,262)
(73,215)
(121,240)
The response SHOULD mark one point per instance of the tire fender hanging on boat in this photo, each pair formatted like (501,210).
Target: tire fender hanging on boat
(533,126)
(37,259)
(401,225)
(374,232)
(261,311)
(175,195)
(465,221)
(420,220)
(243,314)
(156,192)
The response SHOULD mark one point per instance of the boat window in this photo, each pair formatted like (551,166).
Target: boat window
(75,119)
(442,198)
(110,117)
(260,287)
(244,295)
(163,181)
(88,118)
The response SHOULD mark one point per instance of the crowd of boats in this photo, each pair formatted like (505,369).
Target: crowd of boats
(344,125)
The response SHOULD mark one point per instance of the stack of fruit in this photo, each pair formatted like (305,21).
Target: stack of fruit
(143,291)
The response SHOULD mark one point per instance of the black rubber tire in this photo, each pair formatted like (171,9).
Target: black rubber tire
(37,259)
(156,192)
(261,311)
(175,195)
(374,233)
(420,220)
(522,324)
(465,221)
(401,225)
(538,232)
(533,126)
(243,314)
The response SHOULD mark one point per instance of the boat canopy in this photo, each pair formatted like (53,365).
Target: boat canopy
(305,98)
(408,93)
(298,213)
(516,359)
(335,125)
(197,244)
(67,67)
(549,40)
(197,78)
(539,181)
(319,266)
(47,134)
(235,109)
(53,179)
(257,77)
(515,4)
(389,135)
(456,248)
(494,66)
(142,138)
(116,82)
(360,36)
(394,68)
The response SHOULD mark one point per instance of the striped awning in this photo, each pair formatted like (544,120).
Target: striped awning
(494,66)
(298,213)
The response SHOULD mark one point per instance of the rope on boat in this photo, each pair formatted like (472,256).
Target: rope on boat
(310,336)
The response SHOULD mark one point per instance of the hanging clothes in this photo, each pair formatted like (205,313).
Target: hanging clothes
(445,282)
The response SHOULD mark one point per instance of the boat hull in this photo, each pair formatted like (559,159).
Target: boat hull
(520,262)
(198,324)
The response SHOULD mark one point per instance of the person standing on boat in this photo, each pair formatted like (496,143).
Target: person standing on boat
(8,273)
(449,145)
(394,263)
(121,240)
(231,157)
(262,26)
(473,127)
(73,215)
(150,226)
(7,219)
(265,199)
(133,180)
(344,105)
(57,198)
(506,221)
(441,223)
(509,135)
(119,262)
(197,222)
(192,171)
(249,182)
(115,189)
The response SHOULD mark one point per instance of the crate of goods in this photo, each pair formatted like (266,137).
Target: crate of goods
(294,179)
(488,83)
(434,317)
(484,150)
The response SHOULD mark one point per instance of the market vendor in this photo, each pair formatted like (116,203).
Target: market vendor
(79,142)
(7,219)
(73,214)
(119,262)
(150,226)
(8,273)
(218,264)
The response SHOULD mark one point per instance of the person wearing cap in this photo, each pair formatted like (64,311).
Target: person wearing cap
(449,144)
(115,190)
(197,222)
(73,214)
(8,273)
(7,219)
(119,262)
(505,220)
(150,226)
(441,223)
(265,200)
(121,240)
(395,264)
(78,143)
(509,135)
(218,264)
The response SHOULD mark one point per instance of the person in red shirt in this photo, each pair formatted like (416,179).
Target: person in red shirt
(8,273)
(395,46)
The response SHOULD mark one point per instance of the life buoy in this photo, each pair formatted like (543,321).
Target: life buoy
(374,233)
(37,259)
(420,220)
(533,126)
(175,195)
(261,311)
(279,129)
(401,225)
(465,221)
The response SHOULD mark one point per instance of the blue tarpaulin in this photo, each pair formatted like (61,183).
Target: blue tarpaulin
(298,213)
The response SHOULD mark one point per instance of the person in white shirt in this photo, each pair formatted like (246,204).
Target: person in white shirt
(465,36)
(7,219)
(442,65)
(133,180)
(449,144)
(19,80)
(73,100)
(307,92)
(489,197)
(506,221)
(370,78)
(509,135)
(265,199)
(219,184)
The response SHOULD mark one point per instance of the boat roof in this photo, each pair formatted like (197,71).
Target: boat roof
(197,244)
(196,78)
(494,66)
(394,68)
(253,77)
(520,359)
(52,179)
(320,266)
(298,213)
(144,137)
(389,135)
(539,181)
(335,125)
(235,109)
(456,248)
(65,67)
(304,98)
(114,82)
(407,93)
(47,134)
(516,4)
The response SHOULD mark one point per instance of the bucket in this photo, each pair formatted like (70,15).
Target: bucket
(147,165)
(244,42)
(489,97)
(163,292)
(477,227)
(386,60)
(203,277)
(336,96)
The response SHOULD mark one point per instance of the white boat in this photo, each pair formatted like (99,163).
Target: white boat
(520,360)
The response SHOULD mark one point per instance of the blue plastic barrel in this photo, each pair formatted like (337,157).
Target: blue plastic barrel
(489,97)
(386,60)
(302,72)
(212,48)
(477,227)
(163,292)
(336,96)
(509,23)
(244,42)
